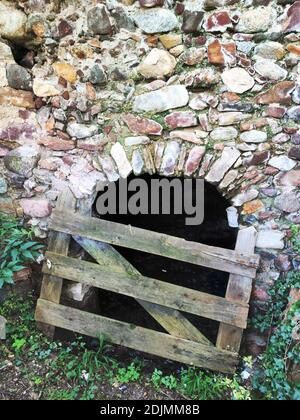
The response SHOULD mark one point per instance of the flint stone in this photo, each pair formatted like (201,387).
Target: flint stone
(229,156)
(22,160)
(254,136)
(98,20)
(18,77)
(270,239)
(161,100)
(81,131)
(118,154)
(224,134)
(237,80)
(170,158)
(156,20)
(288,202)
(283,163)
(258,19)
(270,70)
(36,207)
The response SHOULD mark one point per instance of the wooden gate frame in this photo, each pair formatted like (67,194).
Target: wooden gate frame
(182,341)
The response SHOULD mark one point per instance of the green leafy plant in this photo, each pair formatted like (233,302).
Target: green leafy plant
(158,380)
(128,374)
(16,248)
(295,239)
(271,380)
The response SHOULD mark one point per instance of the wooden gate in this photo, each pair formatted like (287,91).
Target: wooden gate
(165,302)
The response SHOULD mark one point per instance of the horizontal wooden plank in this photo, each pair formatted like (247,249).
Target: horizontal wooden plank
(156,243)
(173,321)
(136,338)
(150,290)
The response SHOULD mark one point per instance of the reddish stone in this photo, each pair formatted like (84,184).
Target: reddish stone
(221,53)
(35,207)
(294,153)
(280,93)
(294,49)
(258,158)
(276,111)
(181,119)
(292,24)
(50,165)
(19,98)
(218,22)
(282,263)
(151,3)
(56,143)
(230,97)
(179,8)
(260,295)
(192,21)
(254,124)
(296,138)
(64,28)
(291,178)
(141,125)
(195,156)
(22,275)
(24,114)
(252,206)
(200,40)
(271,171)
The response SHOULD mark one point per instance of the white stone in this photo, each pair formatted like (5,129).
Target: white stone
(254,136)
(270,70)
(229,156)
(229,178)
(270,239)
(81,131)
(44,88)
(237,80)
(161,100)
(155,20)
(232,217)
(270,50)
(118,154)
(258,19)
(135,141)
(283,163)
(137,162)
(229,118)
(244,197)
(12,22)
(224,134)
(157,64)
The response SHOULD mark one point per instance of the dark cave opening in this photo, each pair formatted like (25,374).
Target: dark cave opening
(213,231)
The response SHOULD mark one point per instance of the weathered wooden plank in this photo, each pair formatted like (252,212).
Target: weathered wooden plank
(150,290)
(170,319)
(58,242)
(156,243)
(137,338)
(2,328)
(238,290)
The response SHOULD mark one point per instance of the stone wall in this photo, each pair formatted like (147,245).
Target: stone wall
(94,90)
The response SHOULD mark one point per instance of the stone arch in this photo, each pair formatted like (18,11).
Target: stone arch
(221,101)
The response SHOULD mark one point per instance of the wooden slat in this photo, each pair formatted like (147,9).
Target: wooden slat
(171,320)
(151,290)
(137,338)
(58,242)
(155,243)
(238,290)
